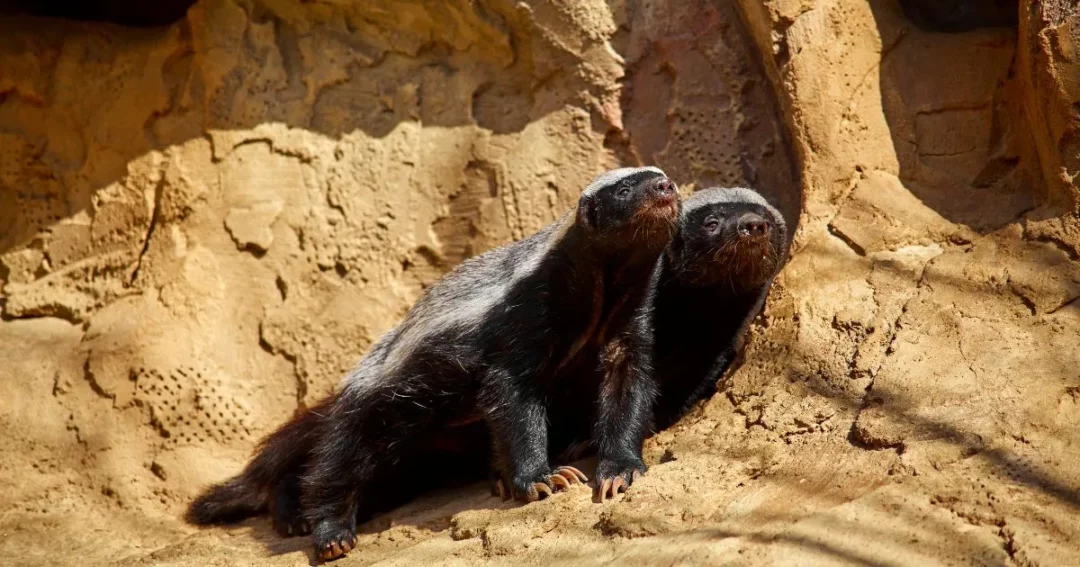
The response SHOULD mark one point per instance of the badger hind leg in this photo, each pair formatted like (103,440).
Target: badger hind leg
(285,511)
(342,468)
(367,437)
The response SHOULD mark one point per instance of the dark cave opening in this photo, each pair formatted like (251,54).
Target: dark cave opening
(134,13)
(953,16)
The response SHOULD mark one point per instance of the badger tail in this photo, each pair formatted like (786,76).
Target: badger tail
(229,501)
(283,452)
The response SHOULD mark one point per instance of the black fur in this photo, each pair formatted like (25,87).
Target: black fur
(271,481)
(715,277)
(574,295)
(256,489)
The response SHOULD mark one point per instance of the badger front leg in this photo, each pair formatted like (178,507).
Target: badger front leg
(517,419)
(625,402)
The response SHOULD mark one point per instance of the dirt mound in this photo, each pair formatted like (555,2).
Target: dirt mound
(204,225)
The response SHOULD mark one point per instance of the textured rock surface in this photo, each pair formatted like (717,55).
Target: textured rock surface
(202,226)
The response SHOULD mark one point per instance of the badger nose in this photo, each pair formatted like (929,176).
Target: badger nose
(753,225)
(664,187)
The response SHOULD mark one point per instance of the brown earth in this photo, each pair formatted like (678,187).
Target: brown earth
(203,226)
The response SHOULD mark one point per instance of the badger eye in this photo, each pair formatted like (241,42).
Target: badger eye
(623,191)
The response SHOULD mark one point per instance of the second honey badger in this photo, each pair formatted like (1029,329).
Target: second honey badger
(716,275)
(492,340)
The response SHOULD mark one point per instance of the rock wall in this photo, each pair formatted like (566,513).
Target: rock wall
(202,226)
(918,356)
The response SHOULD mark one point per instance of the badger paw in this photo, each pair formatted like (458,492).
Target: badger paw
(540,487)
(333,539)
(613,477)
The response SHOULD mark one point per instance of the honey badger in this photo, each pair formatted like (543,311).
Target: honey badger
(715,276)
(490,341)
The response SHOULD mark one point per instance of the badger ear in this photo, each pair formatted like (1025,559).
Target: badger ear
(780,234)
(586,213)
(674,250)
